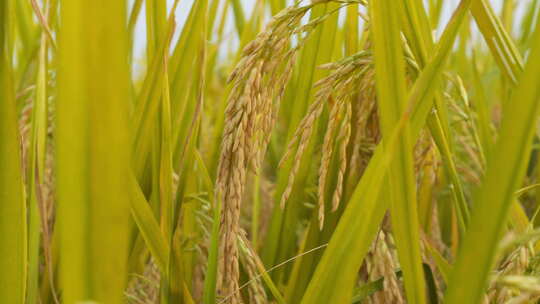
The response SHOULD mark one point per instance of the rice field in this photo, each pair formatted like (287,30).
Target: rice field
(269,151)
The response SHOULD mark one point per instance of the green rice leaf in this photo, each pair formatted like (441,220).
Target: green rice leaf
(391,98)
(13,226)
(93,151)
(148,226)
(497,38)
(505,169)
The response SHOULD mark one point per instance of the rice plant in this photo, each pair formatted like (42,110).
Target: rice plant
(269,151)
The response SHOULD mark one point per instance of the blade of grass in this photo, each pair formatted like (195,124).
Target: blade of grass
(148,225)
(44,24)
(276,6)
(391,98)
(507,15)
(435,9)
(502,48)
(505,170)
(35,174)
(188,229)
(442,264)
(239,18)
(156,22)
(527,23)
(146,106)
(165,176)
(28,32)
(26,28)
(366,290)
(92,145)
(426,189)
(133,16)
(210,281)
(13,243)
(416,29)
(482,110)
(351,30)
(185,86)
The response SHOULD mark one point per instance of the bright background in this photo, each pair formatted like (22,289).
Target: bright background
(231,38)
